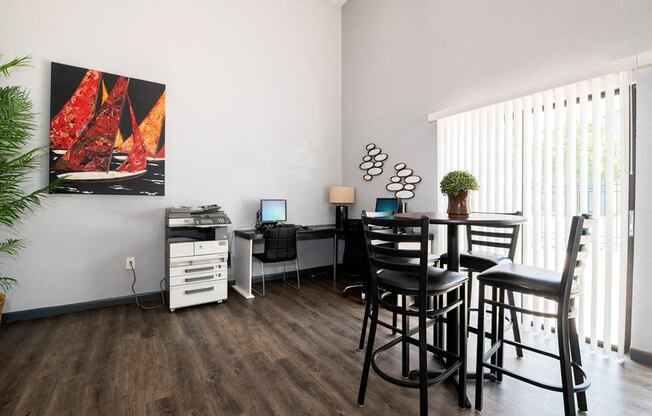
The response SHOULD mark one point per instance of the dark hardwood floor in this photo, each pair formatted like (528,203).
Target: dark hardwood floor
(290,353)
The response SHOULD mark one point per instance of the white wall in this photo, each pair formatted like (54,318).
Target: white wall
(642,285)
(253,110)
(404,60)
(385,63)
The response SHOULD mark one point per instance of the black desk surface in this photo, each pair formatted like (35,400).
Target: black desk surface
(316,232)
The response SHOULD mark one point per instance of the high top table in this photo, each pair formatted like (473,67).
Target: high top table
(452,223)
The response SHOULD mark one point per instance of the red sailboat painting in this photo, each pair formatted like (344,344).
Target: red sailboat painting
(71,121)
(118,105)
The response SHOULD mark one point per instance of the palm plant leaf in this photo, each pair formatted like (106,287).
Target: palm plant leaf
(14,63)
(16,120)
(16,163)
(11,247)
(6,283)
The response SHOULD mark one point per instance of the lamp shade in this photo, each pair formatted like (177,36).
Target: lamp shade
(342,195)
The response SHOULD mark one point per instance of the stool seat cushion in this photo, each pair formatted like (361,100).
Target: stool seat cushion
(478,260)
(407,283)
(526,279)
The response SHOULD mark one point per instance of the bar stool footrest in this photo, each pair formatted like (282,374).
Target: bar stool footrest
(437,376)
(576,389)
(496,346)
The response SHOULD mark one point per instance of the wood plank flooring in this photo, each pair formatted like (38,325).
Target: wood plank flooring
(290,353)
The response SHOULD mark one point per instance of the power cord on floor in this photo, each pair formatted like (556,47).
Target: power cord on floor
(133,289)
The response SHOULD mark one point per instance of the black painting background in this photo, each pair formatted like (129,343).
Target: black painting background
(143,95)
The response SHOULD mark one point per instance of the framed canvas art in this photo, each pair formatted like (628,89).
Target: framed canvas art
(107,133)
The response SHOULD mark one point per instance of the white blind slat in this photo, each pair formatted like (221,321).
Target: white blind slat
(585,108)
(508,172)
(596,140)
(527,192)
(484,162)
(609,208)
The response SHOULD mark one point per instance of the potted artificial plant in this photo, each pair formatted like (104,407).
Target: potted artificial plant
(456,185)
(16,164)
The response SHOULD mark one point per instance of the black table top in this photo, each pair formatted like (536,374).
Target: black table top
(478,219)
(314,232)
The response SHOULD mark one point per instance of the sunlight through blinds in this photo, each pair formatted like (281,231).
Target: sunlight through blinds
(553,155)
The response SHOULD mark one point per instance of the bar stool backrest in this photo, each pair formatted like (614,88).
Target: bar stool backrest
(503,237)
(382,235)
(577,250)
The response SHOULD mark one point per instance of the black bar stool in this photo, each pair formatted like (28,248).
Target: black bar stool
(477,261)
(405,272)
(432,259)
(562,289)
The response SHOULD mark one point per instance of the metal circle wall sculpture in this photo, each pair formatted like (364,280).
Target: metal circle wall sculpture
(404,182)
(373,161)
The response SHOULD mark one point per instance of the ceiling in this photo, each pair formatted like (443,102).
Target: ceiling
(340,2)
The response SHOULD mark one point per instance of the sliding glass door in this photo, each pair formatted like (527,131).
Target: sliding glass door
(553,155)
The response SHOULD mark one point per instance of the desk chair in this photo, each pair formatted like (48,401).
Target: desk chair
(475,260)
(280,246)
(562,289)
(405,272)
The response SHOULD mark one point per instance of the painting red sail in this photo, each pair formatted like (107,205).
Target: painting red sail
(150,130)
(137,159)
(93,150)
(161,153)
(69,124)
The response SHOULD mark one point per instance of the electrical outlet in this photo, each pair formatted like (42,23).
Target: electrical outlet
(130,263)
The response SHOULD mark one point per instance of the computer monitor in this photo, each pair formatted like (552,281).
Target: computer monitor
(386,204)
(273,210)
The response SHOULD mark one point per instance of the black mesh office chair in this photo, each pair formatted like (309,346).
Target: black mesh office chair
(405,272)
(475,260)
(562,289)
(280,247)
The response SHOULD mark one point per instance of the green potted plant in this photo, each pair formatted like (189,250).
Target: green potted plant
(16,164)
(456,185)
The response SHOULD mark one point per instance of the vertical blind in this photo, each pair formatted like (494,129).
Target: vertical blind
(553,155)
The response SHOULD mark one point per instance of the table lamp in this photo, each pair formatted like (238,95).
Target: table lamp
(341,195)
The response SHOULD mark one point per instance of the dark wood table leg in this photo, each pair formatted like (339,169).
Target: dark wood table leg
(453,264)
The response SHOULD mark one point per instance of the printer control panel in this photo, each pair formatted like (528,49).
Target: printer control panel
(213,220)
(203,216)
